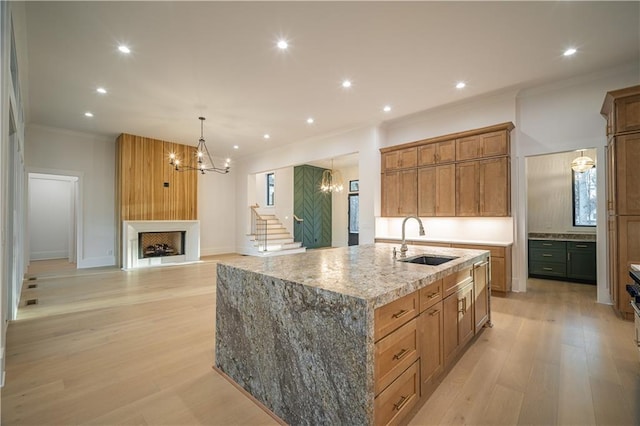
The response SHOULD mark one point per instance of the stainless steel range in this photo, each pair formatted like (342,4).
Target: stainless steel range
(634,290)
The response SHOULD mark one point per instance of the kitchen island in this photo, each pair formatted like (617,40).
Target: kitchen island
(347,335)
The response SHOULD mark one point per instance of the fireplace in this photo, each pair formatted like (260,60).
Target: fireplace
(158,244)
(148,243)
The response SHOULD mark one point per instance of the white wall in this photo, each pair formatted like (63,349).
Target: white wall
(216,204)
(92,159)
(550,193)
(564,116)
(50,217)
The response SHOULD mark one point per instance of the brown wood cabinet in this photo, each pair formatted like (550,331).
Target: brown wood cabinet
(431,326)
(484,145)
(621,109)
(458,321)
(436,190)
(400,159)
(500,265)
(481,294)
(483,188)
(468,189)
(400,193)
(437,153)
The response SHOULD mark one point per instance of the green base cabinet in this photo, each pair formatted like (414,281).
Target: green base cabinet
(564,260)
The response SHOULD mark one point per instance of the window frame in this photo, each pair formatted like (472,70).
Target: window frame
(271,195)
(573,197)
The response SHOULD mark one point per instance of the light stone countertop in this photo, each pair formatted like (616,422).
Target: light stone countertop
(425,241)
(365,272)
(561,236)
(635,268)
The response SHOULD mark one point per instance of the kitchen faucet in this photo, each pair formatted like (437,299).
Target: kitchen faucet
(403,247)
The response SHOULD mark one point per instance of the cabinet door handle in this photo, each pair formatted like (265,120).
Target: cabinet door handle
(581,245)
(548,269)
(401,403)
(434,313)
(432,295)
(568,255)
(546,255)
(401,313)
(401,354)
(547,244)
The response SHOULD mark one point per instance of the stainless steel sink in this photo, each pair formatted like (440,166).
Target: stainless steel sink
(428,259)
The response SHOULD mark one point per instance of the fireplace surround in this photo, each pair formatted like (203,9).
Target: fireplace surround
(166,242)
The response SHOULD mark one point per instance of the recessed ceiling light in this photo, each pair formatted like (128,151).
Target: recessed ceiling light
(570,51)
(228,160)
(124,49)
(101,90)
(282,44)
(236,147)
(310,120)
(266,136)
(460,85)
(346,84)
(386,108)
(88,114)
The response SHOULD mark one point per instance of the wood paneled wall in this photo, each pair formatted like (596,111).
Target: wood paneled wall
(143,170)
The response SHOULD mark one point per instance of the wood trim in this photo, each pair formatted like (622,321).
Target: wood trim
(502,126)
(610,97)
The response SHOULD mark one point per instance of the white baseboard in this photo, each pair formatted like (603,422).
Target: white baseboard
(94,262)
(210,251)
(46,255)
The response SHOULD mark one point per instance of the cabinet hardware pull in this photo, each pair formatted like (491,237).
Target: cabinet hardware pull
(479,264)
(434,313)
(569,256)
(548,269)
(546,255)
(400,313)
(398,405)
(401,354)
(547,244)
(581,245)
(432,295)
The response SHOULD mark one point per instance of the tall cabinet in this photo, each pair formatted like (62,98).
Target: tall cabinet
(621,109)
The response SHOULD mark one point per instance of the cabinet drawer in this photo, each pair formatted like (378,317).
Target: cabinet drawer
(399,398)
(395,353)
(550,269)
(586,246)
(453,281)
(550,255)
(430,295)
(391,316)
(547,244)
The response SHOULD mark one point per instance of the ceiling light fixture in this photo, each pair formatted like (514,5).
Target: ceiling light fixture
(101,90)
(310,120)
(236,147)
(582,164)
(198,162)
(124,49)
(88,114)
(282,44)
(386,108)
(267,136)
(346,84)
(331,180)
(570,51)
(460,85)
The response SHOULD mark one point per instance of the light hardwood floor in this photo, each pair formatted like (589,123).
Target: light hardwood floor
(112,347)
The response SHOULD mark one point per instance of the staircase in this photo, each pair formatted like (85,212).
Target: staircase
(269,237)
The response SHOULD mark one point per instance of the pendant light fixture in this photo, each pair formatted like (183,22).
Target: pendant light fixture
(331,180)
(202,160)
(582,164)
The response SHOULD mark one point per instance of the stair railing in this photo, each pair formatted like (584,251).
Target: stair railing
(298,222)
(259,228)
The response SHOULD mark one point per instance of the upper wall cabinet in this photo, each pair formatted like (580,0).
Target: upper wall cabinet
(400,159)
(482,146)
(462,174)
(621,108)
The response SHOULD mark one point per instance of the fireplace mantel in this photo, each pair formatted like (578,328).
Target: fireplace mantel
(130,249)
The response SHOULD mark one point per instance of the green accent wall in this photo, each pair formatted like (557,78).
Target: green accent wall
(312,205)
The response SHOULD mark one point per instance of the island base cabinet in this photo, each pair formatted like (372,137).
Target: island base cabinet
(431,354)
(397,401)
(458,321)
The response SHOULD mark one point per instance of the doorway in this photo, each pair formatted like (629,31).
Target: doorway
(354,213)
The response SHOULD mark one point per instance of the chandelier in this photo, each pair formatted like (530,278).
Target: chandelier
(201,160)
(582,164)
(331,180)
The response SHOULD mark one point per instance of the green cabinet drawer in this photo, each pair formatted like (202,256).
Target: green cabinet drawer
(547,255)
(551,269)
(547,244)
(582,246)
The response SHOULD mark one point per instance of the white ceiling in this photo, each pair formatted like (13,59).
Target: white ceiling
(219,60)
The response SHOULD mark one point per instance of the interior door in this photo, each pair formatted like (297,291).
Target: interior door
(354,226)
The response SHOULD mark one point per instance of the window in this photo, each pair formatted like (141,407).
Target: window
(271,188)
(584,198)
